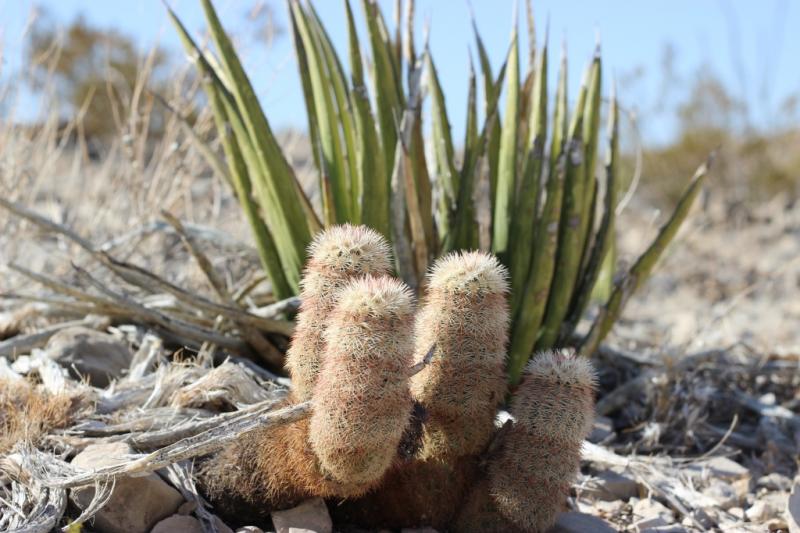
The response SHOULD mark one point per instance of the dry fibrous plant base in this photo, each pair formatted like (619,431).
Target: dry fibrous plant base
(268,470)
(530,476)
(27,412)
(362,402)
(478,513)
(336,256)
(412,494)
(465,316)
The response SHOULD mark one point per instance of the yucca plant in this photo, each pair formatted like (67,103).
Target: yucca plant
(525,184)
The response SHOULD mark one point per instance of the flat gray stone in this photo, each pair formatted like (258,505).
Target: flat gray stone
(610,486)
(650,514)
(574,522)
(719,468)
(136,503)
(90,353)
(178,524)
(311,515)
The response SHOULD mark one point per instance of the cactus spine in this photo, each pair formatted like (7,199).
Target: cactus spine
(465,317)
(336,256)
(553,408)
(362,401)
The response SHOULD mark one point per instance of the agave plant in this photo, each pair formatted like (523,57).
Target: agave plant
(525,184)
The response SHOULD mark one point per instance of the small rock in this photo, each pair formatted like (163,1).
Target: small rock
(178,524)
(91,353)
(725,495)
(610,486)
(736,512)
(603,428)
(793,508)
(249,529)
(774,481)
(673,528)
(311,515)
(708,518)
(649,524)
(761,511)
(573,522)
(720,468)
(187,508)
(136,503)
(651,514)
(607,509)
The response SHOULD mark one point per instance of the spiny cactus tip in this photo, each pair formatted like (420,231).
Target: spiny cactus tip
(469,272)
(349,249)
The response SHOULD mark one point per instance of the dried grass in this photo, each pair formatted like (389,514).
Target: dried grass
(28,412)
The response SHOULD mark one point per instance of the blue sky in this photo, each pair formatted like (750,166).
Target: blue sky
(751,45)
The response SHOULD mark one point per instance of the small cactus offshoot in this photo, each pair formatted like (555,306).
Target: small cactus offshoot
(361,401)
(553,410)
(336,256)
(465,317)
(402,429)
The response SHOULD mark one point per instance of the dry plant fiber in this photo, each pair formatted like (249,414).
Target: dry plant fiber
(28,412)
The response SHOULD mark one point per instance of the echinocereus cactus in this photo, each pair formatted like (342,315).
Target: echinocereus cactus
(362,402)
(465,317)
(336,256)
(553,410)
(359,445)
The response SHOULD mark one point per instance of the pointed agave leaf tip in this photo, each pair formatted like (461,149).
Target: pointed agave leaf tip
(597,43)
(515,15)
(613,96)
(547,30)
(471,11)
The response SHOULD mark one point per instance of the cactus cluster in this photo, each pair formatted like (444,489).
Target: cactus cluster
(400,447)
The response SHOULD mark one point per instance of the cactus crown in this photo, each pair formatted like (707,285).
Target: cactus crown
(540,404)
(375,297)
(470,273)
(563,367)
(348,250)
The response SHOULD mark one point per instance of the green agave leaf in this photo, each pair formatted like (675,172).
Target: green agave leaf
(523,222)
(445,174)
(386,81)
(286,218)
(373,180)
(238,173)
(529,307)
(507,168)
(471,132)
(344,112)
(604,240)
(490,87)
(322,82)
(466,230)
(641,269)
(569,245)
(591,135)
